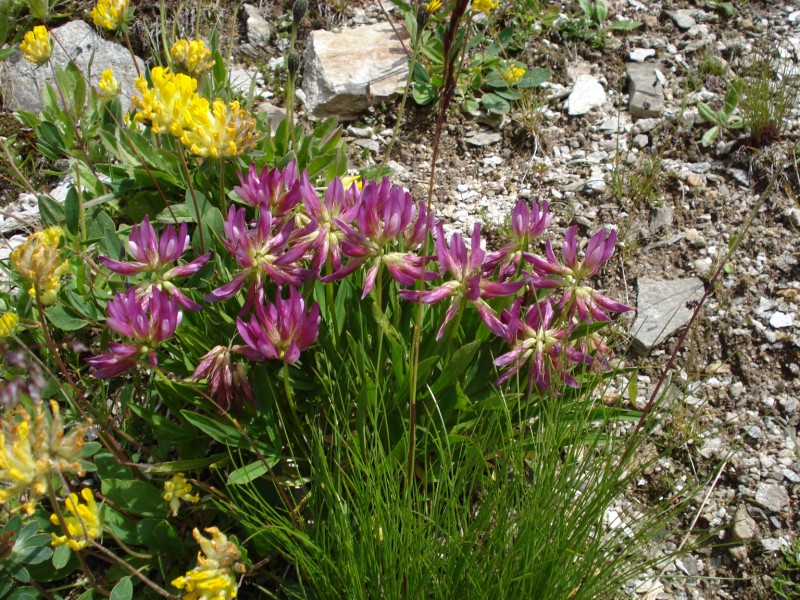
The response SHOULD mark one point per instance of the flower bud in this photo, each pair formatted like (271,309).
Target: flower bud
(299,9)
(293,63)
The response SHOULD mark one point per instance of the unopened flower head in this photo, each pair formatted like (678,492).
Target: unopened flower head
(275,190)
(36,46)
(32,446)
(39,262)
(82,521)
(146,321)
(280,331)
(109,86)
(214,577)
(484,6)
(338,205)
(111,14)
(227,381)
(191,56)
(219,131)
(177,489)
(512,73)
(433,6)
(155,255)
(163,105)
(8,324)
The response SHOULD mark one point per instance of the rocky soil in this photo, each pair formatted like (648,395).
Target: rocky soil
(612,158)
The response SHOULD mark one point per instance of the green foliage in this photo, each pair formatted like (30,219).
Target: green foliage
(786,582)
(723,119)
(770,90)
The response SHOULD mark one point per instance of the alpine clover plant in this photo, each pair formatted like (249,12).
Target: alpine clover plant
(212,311)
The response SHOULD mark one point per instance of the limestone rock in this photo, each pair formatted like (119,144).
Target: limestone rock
(772,496)
(661,309)
(22,82)
(586,95)
(646,90)
(348,70)
(683,19)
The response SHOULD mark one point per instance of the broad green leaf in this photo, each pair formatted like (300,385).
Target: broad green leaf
(625,25)
(707,113)
(424,93)
(732,97)
(710,136)
(459,362)
(495,104)
(160,535)
(61,556)
(224,434)
(189,464)
(63,319)
(135,497)
(123,590)
(52,212)
(252,471)
(72,211)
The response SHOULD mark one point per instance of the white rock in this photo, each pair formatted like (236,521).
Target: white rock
(641,54)
(779,320)
(586,95)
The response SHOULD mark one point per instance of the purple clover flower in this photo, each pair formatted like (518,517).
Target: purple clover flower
(227,381)
(467,283)
(280,331)
(569,275)
(154,254)
(387,229)
(274,190)
(527,224)
(263,253)
(338,205)
(539,343)
(146,322)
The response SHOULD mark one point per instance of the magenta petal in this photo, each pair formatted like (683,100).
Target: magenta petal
(189,268)
(123,268)
(228,290)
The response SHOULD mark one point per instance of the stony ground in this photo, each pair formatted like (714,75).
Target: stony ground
(677,207)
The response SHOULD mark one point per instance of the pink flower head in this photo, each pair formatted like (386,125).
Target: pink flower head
(145,321)
(540,344)
(527,224)
(274,190)
(337,205)
(154,255)
(387,229)
(264,253)
(280,331)
(467,283)
(580,299)
(227,381)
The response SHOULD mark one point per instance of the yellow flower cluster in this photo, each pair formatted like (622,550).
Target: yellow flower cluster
(39,262)
(191,56)
(432,6)
(172,105)
(213,578)
(8,323)
(484,6)
(32,444)
(36,46)
(109,86)
(512,74)
(83,523)
(110,14)
(177,489)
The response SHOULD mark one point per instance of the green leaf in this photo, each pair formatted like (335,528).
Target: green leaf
(254,470)
(51,140)
(189,464)
(535,77)
(63,319)
(495,104)
(109,468)
(420,74)
(72,211)
(732,97)
(710,136)
(61,556)
(424,93)
(459,362)
(224,434)
(51,211)
(625,25)
(135,497)
(160,535)
(123,590)
(707,113)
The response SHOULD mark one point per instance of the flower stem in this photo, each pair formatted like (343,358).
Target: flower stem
(287,388)
(222,201)
(188,177)
(401,110)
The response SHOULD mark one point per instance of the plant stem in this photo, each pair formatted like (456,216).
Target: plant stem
(133,56)
(222,200)
(188,177)
(399,119)
(287,388)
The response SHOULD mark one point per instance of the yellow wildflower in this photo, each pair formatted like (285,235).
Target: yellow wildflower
(82,524)
(213,578)
(348,181)
(177,489)
(38,260)
(163,106)
(432,6)
(191,56)
(8,323)
(109,86)
(31,446)
(36,46)
(484,6)
(222,131)
(110,14)
(512,74)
